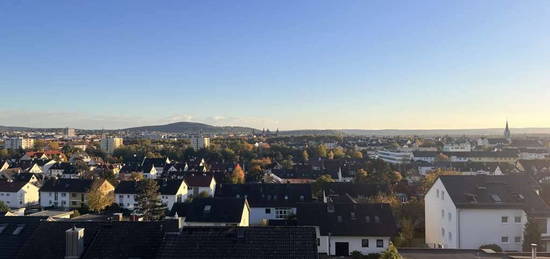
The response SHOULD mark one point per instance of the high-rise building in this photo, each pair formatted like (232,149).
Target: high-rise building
(200,142)
(69,132)
(109,144)
(19,143)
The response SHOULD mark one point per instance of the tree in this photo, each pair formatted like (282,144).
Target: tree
(320,184)
(430,178)
(305,156)
(330,155)
(338,153)
(39,144)
(148,200)
(391,253)
(3,207)
(361,176)
(357,155)
(531,234)
(98,199)
(238,175)
(135,176)
(407,232)
(53,145)
(322,150)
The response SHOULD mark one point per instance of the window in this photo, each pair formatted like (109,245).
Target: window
(504,239)
(364,243)
(318,241)
(376,219)
(121,196)
(379,243)
(443,232)
(73,195)
(504,219)
(442,213)
(63,194)
(450,236)
(367,219)
(73,203)
(517,219)
(442,195)
(450,216)
(268,211)
(437,193)
(18,229)
(281,213)
(517,239)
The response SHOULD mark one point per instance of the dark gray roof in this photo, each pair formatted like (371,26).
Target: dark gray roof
(199,180)
(497,191)
(66,185)
(101,240)
(166,187)
(11,244)
(11,186)
(228,210)
(348,219)
(241,242)
(267,195)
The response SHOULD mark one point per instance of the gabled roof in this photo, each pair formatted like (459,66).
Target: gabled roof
(241,242)
(67,185)
(223,210)
(267,195)
(497,191)
(166,187)
(11,186)
(101,240)
(198,180)
(10,243)
(348,219)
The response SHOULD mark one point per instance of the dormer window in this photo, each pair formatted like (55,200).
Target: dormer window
(367,219)
(207,208)
(376,219)
(339,218)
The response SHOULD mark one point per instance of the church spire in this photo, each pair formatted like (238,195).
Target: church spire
(507,133)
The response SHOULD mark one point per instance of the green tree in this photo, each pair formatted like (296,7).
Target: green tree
(148,200)
(320,184)
(407,232)
(531,234)
(99,199)
(391,253)
(3,207)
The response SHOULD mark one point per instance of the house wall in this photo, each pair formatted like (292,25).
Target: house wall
(258,214)
(58,199)
(126,200)
(245,218)
(440,217)
(355,244)
(484,226)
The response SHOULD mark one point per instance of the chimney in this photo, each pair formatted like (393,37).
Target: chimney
(74,242)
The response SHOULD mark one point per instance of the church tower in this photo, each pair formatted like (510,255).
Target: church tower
(507,133)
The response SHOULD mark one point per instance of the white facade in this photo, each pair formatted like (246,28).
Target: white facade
(260,215)
(56,199)
(200,142)
(393,157)
(129,200)
(108,145)
(449,227)
(18,143)
(364,244)
(457,147)
(27,195)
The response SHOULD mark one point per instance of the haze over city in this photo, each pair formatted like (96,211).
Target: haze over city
(280,64)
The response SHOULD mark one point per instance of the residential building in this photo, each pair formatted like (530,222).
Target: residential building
(69,132)
(268,201)
(213,212)
(199,183)
(465,212)
(342,228)
(109,144)
(394,157)
(171,191)
(18,143)
(457,147)
(18,194)
(70,193)
(200,142)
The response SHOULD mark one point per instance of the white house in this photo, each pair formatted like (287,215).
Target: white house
(70,193)
(267,201)
(18,194)
(395,157)
(468,211)
(346,227)
(213,212)
(171,191)
(457,147)
(200,183)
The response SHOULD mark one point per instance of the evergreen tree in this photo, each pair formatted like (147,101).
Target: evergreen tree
(531,235)
(148,200)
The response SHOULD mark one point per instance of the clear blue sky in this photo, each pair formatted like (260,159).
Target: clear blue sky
(278,64)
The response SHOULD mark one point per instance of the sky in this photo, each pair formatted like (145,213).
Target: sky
(308,64)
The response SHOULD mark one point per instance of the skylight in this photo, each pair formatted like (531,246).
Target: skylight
(496,198)
(18,229)
(2,227)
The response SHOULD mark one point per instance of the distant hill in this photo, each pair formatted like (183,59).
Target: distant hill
(192,128)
